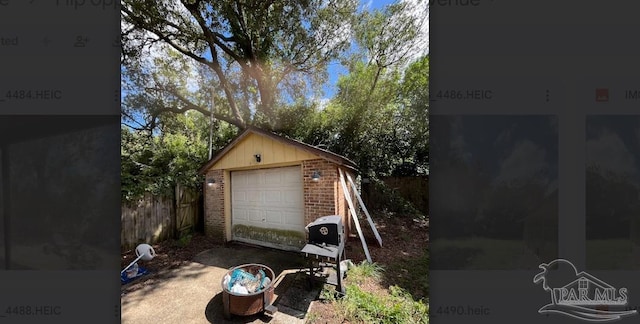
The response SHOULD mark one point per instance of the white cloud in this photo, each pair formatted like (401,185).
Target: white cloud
(526,161)
(419,10)
(322,103)
(610,154)
(334,36)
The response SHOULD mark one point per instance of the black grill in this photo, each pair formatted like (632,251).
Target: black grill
(326,230)
(326,245)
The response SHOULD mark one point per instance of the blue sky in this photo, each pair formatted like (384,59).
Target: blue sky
(335,69)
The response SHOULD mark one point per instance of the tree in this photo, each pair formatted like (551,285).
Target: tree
(158,163)
(254,52)
(612,203)
(413,137)
(380,117)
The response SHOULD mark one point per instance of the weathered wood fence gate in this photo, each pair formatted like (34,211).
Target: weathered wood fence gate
(153,219)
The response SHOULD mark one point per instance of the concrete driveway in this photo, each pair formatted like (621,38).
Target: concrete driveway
(193,293)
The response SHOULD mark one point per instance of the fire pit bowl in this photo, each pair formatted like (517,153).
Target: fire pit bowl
(250,303)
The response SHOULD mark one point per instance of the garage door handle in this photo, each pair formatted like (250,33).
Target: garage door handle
(263,219)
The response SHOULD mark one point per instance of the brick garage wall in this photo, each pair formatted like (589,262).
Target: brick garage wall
(214,206)
(319,196)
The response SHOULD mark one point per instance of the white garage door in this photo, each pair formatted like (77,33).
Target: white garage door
(267,207)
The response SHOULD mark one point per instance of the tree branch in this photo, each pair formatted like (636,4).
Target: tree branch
(191,106)
(133,119)
(141,23)
(212,41)
(212,38)
(225,38)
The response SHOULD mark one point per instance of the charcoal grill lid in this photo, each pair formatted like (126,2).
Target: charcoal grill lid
(329,251)
(334,219)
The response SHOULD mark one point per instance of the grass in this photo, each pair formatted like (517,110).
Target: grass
(377,305)
(411,273)
(479,253)
(311,317)
(365,270)
(610,254)
(489,254)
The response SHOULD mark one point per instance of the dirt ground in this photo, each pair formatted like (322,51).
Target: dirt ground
(405,240)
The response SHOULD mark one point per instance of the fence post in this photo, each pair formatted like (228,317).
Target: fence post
(176,198)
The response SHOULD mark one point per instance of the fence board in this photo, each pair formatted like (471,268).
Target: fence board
(153,219)
(147,220)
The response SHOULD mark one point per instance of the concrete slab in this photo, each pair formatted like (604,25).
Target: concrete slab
(193,293)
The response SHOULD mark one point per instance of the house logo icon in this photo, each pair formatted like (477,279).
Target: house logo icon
(581,295)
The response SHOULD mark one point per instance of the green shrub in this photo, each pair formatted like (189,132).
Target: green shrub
(413,274)
(398,307)
(365,270)
(366,307)
(392,201)
(184,240)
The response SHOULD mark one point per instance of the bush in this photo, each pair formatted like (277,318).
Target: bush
(392,201)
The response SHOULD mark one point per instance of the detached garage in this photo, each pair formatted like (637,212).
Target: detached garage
(264,189)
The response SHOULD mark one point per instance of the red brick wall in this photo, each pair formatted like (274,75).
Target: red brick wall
(325,197)
(214,205)
(319,195)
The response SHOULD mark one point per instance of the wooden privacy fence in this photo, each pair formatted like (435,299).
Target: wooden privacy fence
(153,219)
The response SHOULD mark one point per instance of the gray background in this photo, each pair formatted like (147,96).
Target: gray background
(62,226)
(539,58)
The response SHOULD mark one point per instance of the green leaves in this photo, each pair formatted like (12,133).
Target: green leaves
(253,52)
(380,118)
(157,163)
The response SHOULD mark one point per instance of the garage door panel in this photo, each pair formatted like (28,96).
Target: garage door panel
(268,199)
(292,197)
(273,198)
(273,179)
(239,197)
(273,217)
(254,198)
(255,215)
(292,218)
(291,178)
(241,180)
(240,215)
(257,180)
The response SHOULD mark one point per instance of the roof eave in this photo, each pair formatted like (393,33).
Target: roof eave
(329,156)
